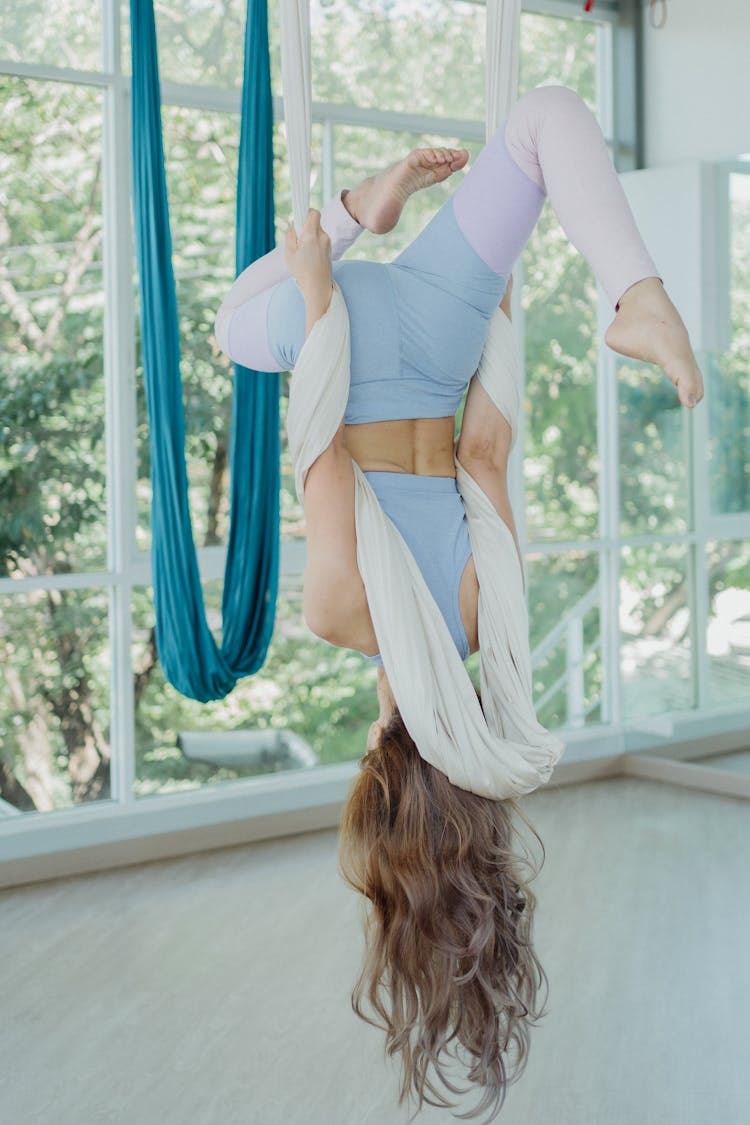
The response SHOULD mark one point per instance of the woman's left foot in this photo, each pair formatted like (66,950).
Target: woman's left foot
(378,201)
(647,326)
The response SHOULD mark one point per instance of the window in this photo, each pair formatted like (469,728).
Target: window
(85,715)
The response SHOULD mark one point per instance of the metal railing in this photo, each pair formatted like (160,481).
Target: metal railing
(569,630)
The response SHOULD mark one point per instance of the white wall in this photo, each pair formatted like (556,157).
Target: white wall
(697,81)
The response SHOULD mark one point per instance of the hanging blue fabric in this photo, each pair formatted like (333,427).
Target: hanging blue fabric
(190,657)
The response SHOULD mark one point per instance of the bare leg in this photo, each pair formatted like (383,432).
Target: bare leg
(647,326)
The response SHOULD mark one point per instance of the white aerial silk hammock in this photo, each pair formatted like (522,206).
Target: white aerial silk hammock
(497,749)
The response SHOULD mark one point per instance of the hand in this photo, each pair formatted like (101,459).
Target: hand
(308,257)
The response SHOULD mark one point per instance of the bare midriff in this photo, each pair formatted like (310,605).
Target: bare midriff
(407,445)
(423,446)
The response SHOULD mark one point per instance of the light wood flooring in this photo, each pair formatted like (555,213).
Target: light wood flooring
(214,989)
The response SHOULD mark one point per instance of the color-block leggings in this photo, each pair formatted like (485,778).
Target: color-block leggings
(550,144)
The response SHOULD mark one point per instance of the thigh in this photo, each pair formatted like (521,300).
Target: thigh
(442,256)
(497,205)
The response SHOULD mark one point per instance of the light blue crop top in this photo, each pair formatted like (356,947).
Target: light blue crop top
(418,324)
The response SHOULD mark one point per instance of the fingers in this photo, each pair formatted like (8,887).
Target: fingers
(311,225)
(312,219)
(310,228)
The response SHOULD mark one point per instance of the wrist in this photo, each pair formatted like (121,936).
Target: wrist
(315,287)
(317,304)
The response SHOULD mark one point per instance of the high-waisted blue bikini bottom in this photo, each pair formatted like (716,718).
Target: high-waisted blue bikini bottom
(429,514)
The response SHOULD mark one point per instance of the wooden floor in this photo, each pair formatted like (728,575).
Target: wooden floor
(214,990)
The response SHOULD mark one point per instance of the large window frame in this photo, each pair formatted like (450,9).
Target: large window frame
(299,800)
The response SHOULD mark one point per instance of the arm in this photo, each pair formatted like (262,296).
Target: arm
(334,600)
(484,444)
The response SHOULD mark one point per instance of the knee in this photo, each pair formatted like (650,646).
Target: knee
(539,106)
(529,121)
(550,99)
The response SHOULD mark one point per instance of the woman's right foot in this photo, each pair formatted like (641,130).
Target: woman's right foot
(647,326)
(378,201)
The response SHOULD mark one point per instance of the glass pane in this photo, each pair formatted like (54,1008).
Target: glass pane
(54,699)
(654,470)
(561,462)
(565,633)
(656,660)
(555,51)
(64,33)
(52,456)
(729,373)
(559,299)
(420,58)
(200,42)
(728,636)
(324,695)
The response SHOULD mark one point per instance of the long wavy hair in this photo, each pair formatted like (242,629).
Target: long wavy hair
(448,966)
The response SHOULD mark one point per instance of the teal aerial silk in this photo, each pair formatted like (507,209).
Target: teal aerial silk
(190,658)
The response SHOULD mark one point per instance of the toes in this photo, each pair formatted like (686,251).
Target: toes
(690,390)
(443,155)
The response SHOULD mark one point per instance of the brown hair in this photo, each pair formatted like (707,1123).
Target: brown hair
(448,953)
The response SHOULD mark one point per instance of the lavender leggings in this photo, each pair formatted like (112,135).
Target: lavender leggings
(549,145)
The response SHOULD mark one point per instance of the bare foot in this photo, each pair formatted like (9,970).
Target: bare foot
(647,326)
(378,201)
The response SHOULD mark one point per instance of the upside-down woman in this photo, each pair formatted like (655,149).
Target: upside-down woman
(449,957)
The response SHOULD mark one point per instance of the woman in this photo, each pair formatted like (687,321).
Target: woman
(449,953)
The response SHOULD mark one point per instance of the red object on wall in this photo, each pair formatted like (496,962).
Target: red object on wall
(657,12)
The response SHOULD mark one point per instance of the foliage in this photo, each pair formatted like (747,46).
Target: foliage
(55,644)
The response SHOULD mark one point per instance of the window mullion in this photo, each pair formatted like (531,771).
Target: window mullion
(119,375)
(609,515)
(698,446)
